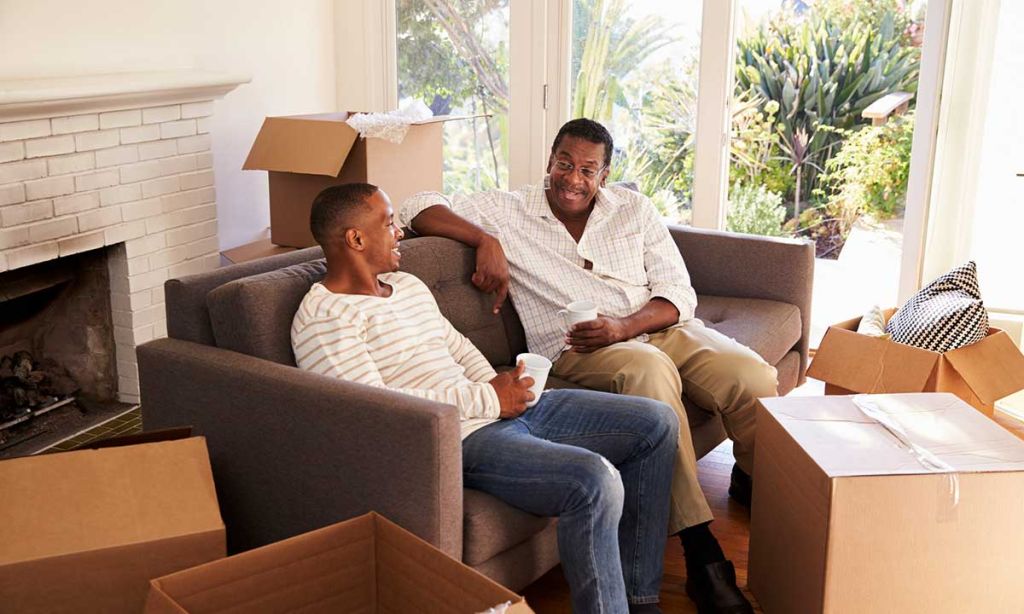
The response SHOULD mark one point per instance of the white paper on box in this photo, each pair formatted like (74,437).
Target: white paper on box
(845,442)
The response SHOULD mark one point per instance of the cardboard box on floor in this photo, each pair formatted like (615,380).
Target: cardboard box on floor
(85,531)
(845,519)
(306,153)
(366,564)
(980,374)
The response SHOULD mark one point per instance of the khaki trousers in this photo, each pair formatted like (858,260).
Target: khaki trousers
(716,373)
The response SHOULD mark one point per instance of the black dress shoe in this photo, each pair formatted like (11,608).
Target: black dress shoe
(713,588)
(740,486)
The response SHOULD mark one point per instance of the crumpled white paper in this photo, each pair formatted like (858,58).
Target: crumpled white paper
(498,609)
(390,126)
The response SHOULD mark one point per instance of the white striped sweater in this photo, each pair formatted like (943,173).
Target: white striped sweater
(401,342)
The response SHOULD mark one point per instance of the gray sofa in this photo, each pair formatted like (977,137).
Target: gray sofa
(292,451)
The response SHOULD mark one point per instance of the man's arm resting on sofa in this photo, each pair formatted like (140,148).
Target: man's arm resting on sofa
(292,450)
(491,273)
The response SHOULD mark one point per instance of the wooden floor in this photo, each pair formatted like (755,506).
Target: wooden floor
(550,594)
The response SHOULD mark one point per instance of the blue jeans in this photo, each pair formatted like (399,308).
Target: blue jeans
(612,521)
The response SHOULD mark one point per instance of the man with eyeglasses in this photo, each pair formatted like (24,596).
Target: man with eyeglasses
(574,238)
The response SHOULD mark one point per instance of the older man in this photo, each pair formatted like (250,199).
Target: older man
(602,463)
(573,238)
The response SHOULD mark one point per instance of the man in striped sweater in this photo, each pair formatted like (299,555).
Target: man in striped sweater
(600,462)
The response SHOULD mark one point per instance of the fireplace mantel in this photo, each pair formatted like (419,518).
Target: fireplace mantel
(26,99)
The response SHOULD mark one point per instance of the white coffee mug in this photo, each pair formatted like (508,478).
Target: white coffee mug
(578,311)
(537,367)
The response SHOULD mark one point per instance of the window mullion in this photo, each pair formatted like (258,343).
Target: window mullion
(714,96)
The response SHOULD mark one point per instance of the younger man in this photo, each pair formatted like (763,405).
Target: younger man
(372,325)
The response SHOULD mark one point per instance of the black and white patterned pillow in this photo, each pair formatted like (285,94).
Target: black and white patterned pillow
(946,314)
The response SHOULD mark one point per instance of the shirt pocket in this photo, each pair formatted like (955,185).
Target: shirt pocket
(623,259)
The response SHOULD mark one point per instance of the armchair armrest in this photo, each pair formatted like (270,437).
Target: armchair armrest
(293,451)
(748,266)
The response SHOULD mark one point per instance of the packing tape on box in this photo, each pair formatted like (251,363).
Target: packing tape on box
(949,487)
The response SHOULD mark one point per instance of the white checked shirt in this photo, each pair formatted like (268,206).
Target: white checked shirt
(634,258)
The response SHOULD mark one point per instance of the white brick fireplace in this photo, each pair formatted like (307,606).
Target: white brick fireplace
(113,160)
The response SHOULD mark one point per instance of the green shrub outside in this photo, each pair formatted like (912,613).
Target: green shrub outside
(869,173)
(755,210)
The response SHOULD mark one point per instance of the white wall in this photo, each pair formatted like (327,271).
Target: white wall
(287,48)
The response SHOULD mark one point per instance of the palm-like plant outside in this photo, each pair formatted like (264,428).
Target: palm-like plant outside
(822,75)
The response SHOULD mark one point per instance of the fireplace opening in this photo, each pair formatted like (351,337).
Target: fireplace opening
(58,374)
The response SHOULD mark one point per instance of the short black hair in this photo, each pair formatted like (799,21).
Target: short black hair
(337,205)
(588,130)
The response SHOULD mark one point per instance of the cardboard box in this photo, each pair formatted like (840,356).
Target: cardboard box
(980,373)
(85,531)
(306,153)
(366,564)
(846,519)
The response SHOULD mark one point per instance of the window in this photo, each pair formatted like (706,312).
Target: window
(453,56)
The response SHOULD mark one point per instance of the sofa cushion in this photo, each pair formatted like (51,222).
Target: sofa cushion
(770,328)
(253,315)
(491,526)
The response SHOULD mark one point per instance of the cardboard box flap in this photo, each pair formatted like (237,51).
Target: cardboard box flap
(448,118)
(309,144)
(365,564)
(58,504)
(411,571)
(870,364)
(844,441)
(993,367)
(343,116)
(304,570)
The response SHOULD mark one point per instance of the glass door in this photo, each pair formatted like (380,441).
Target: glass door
(822,125)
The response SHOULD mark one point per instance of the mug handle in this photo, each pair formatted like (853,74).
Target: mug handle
(563,313)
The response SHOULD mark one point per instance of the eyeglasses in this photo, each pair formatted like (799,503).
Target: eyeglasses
(567,168)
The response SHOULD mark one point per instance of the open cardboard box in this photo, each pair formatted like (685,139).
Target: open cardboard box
(366,564)
(980,374)
(306,153)
(85,531)
(846,519)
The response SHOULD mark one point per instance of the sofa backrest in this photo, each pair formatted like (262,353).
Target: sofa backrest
(188,318)
(253,313)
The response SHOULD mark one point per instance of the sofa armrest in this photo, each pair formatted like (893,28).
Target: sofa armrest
(748,266)
(292,451)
